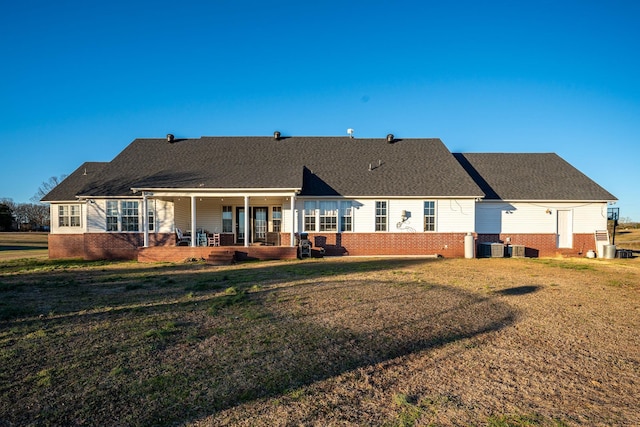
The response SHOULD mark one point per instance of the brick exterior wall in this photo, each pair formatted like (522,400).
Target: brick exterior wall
(543,245)
(94,246)
(66,246)
(449,245)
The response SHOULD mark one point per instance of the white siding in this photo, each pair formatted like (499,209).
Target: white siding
(589,218)
(164,216)
(537,218)
(451,215)
(455,216)
(96,216)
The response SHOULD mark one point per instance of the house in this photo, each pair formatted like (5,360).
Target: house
(353,196)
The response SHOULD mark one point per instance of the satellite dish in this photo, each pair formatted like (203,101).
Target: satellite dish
(350,132)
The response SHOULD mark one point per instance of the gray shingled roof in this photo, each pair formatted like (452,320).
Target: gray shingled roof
(72,185)
(321,166)
(530,176)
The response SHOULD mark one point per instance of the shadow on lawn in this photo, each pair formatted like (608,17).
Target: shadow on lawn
(257,343)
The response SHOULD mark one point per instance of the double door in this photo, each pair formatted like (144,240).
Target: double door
(258,224)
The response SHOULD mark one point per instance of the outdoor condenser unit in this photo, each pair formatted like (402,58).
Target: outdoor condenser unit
(491,250)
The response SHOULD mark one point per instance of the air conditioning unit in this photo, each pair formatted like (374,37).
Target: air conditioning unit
(515,251)
(491,250)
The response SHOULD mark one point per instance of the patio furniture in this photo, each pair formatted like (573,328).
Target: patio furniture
(214,239)
(182,238)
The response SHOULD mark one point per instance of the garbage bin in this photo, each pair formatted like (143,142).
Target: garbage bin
(609,251)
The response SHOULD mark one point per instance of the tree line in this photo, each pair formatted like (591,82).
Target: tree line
(28,216)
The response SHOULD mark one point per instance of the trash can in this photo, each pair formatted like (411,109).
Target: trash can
(609,251)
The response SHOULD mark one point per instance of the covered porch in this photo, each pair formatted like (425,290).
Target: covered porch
(202,219)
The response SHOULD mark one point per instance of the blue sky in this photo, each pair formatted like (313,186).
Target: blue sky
(80,80)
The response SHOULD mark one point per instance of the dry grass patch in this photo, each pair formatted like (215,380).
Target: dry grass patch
(321,342)
(23,245)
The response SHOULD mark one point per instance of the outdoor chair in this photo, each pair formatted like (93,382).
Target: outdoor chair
(182,238)
(214,239)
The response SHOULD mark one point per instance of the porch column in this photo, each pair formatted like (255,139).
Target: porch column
(293,221)
(194,237)
(145,219)
(246,221)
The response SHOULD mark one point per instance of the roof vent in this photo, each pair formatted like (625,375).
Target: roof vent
(276,135)
(390,138)
(170,138)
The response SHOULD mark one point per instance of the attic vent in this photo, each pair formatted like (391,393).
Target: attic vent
(170,138)
(276,135)
(390,138)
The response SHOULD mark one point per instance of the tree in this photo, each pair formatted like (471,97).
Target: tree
(31,216)
(6,217)
(46,187)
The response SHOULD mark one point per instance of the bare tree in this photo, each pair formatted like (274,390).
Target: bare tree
(46,187)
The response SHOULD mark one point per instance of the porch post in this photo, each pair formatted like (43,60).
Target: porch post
(247,235)
(194,238)
(145,219)
(293,221)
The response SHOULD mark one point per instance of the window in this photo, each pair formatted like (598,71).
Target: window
(381,216)
(69,216)
(309,216)
(429,215)
(129,215)
(276,215)
(328,216)
(127,218)
(227,219)
(112,215)
(346,218)
(151,214)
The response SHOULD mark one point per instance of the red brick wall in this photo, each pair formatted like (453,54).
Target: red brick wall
(445,244)
(66,246)
(543,245)
(112,245)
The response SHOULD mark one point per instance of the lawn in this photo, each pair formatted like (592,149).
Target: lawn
(23,245)
(353,341)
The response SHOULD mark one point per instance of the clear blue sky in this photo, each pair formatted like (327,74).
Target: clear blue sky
(80,80)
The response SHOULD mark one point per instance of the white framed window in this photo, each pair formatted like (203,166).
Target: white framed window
(112,215)
(124,216)
(310,215)
(381,216)
(346,216)
(276,217)
(151,214)
(429,215)
(328,216)
(129,215)
(69,216)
